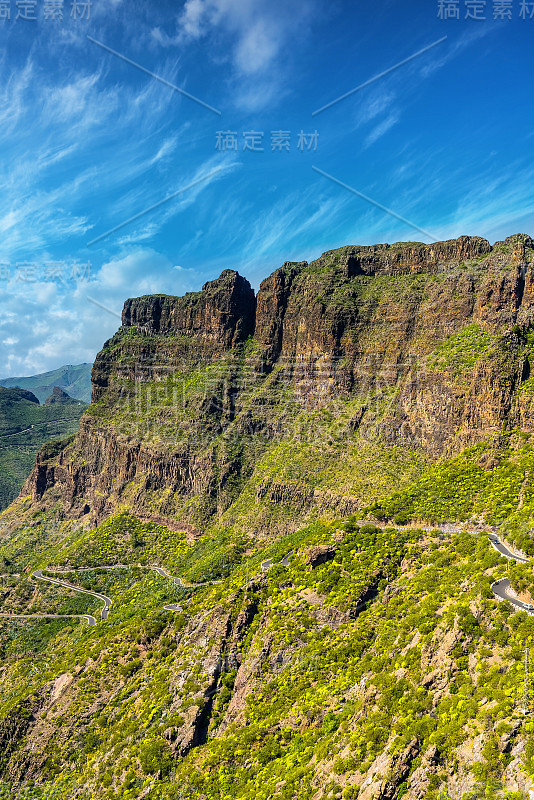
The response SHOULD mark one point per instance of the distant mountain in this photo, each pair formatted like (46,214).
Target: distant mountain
(75,380)
(24,427)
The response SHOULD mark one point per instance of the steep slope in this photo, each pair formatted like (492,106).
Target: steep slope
(341,379)
(24,427)
(374,664)
(240,442)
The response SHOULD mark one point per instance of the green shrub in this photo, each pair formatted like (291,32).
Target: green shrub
(154,756)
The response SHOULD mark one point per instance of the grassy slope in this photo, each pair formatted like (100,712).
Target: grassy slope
(492,482)
(18,450)
(327,699)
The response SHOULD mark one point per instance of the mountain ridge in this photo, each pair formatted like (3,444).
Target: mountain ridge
(319,335)
(75,380)
(280,454)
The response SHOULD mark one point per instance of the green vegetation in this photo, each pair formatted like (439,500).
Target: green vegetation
(24,427)
(322,701)
(489,481)
(462,350)
(124,540)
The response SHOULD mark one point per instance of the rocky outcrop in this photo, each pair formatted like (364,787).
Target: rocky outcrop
(371,334)
(203,325)
(320,554)
(61,397)
(272,303)
(224,311)
(406,257)
(419,781)
(111,462)
(387,772)
(13,729)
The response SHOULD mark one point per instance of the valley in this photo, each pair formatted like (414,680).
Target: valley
(288,552)
(25,426)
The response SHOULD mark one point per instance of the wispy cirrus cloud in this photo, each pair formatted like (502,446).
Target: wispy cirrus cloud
(381,129)
(258,34)
(56,163)
(149,218)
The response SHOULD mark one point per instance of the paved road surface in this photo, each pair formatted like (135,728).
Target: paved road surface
(179,581)
(503,549)
(501,588)
(265,566)
(104,614)
(90,619)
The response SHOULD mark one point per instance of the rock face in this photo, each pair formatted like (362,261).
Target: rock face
(320,554)
(14,727)
(223,311)
(422,346)
(59,396)
(387,772)
(218,318)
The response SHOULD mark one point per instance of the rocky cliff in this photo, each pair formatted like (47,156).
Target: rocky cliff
(419,346)
(218,318)
(301,654)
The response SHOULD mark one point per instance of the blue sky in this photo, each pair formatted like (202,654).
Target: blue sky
(89,140)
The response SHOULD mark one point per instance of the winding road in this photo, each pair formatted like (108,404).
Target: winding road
(104,614)
(265,566)
(179,581)
(501,588)
(505,551)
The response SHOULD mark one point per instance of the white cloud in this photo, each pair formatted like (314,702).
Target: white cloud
(381,129)
(258,47)
(257,37)
(377,102)
(192,18)
(57,324)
